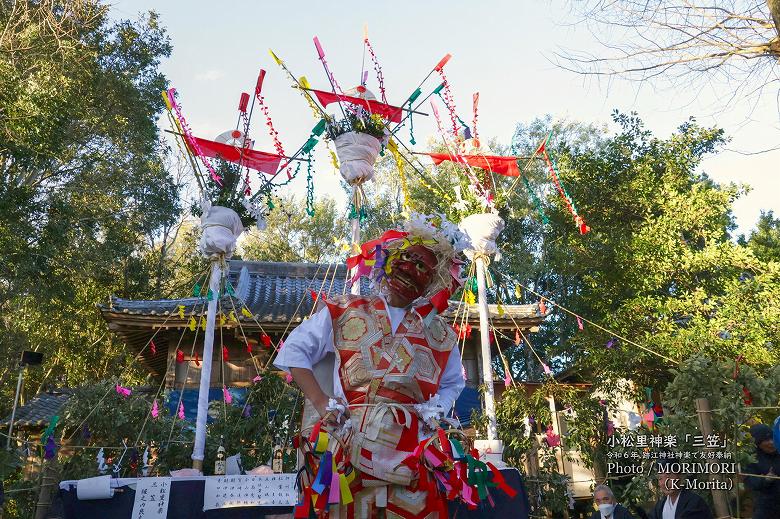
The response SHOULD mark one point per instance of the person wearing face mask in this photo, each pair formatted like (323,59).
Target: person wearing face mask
(608,508)
(396,368)
(766,491)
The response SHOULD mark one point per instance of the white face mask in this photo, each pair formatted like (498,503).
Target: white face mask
(606,509)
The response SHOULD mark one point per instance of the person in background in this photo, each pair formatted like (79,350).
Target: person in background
(766,491)
(677,501)
(608,508)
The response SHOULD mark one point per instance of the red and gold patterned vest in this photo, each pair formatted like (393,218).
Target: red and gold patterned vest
(379,369)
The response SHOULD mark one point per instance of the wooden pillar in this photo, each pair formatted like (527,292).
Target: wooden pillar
(50,479)
(719,497)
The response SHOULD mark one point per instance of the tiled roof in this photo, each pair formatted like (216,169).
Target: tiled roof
(38,411)
(274,292)
(281,293)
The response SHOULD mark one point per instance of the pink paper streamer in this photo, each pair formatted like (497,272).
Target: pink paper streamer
(190,138)
(125,392)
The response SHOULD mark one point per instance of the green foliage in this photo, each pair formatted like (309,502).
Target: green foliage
(658,267)
(764,241)
(363,123)
(585,433)
(292,235)
(84,191)
(271,417)
(97,416)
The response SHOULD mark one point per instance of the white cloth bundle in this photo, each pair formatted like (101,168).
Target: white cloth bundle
(357,153)
(482,229)
(221,228)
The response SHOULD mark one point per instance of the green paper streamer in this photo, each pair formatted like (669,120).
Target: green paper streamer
(438,89)
(50,429)
(414,96)
(537,203)
(320,128)
(310,144)
(309,188)
(229,289)
(457,448)
(196,290)
(210,295)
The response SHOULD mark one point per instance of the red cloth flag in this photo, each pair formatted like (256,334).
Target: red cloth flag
(390,112)
(497,164)
(253,159)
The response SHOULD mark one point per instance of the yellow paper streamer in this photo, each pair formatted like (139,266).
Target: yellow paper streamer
(275,57)
(518,292)
(222,320)
(500,310)
(232,317)
(322,442)
(333,158)
(203,324)
(346,493)
(246,313)
(393,148)
(469,297)
(181,311)
(193,324)
(304,82)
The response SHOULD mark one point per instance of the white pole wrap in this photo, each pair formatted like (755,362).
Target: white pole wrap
(221,228)
(482,230)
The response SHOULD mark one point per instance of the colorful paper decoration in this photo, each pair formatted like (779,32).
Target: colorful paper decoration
(123,391)
(581,226)
(181,411)
(392,113)
(179,356)
(226,395)
(225,356)
(155,409)
(152,347)
(497,164)
(579,323)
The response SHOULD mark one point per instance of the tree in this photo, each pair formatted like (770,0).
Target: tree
(658,268)
(764,241)
(292,235)
(83,183)
(733,41)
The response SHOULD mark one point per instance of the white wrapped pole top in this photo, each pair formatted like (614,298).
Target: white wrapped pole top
(482,229)
(357,153)
(221,228)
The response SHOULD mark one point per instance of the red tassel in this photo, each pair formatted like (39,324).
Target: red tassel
(224,353)
(302,510)
(179,356)
(197,359)
(500,482)
(249,348)
(748,397)
(266,340)
(243,102)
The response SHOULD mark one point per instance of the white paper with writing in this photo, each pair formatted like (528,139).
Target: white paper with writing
(151,498)
(235,491)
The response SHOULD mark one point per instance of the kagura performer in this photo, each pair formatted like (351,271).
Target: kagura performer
(397,372)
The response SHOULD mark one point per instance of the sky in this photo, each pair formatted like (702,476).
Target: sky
(503,49)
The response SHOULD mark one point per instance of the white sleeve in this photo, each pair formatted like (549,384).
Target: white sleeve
(452,382)
(308,343)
